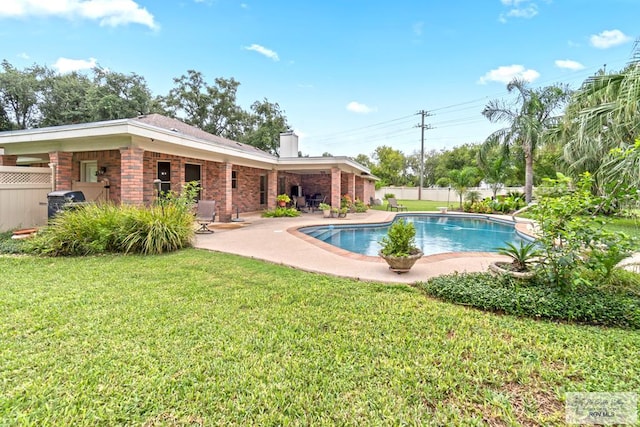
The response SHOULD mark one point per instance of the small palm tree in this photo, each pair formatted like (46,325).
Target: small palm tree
(522,256)
(461,180)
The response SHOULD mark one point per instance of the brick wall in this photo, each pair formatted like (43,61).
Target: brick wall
(108,159)
(131,175)
(8,160)
(64,168)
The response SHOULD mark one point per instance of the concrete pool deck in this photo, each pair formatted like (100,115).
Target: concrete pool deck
(277,240)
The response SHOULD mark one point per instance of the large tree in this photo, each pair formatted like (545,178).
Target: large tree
(19,91)
(265,123)
(118,96)
(65,99)
(390,165)
(211,108)
(532,114)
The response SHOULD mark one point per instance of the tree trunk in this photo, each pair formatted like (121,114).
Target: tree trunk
(528,173)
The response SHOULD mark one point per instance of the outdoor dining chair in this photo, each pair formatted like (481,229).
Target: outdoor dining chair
(205,215)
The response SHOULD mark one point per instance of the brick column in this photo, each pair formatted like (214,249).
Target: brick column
(63,167)
(272,189)
(351,185)
(131,176)
(336,181)
(8,160)
(225,210)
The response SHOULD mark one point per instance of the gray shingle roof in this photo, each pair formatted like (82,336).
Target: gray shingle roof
(178,126)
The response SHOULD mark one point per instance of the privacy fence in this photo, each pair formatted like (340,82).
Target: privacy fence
(23,196)
(437,194)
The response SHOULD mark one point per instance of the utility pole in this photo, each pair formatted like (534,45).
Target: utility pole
(422,127)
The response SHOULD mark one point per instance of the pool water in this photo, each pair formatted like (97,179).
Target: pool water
(435,234)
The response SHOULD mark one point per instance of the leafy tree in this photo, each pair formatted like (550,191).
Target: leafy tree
(390,166)
(118,96)
(456,158)
(461,180)
(65,99)
(19,94)
(364,160)
(327,154)
(211,108)
(266,124)
(528,119)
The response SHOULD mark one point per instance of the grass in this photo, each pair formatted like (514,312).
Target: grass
(194,337)
(418,205)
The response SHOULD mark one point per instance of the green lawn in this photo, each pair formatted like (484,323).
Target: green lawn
(419,205)
(195,338)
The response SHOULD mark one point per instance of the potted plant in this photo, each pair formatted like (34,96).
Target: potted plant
(283,199)
(522,257)
(326,209)
(399,246)
(342,213)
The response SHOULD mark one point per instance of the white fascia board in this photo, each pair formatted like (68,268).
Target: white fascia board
(152,139)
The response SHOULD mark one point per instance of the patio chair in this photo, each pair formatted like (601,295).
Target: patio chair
(392,204)
(205,215)
(301,203)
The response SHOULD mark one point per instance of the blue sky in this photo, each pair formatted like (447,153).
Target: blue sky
(349,74)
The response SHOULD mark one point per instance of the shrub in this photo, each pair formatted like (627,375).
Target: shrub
(573,241)
(9,245)
(400,239)
(389,196)
(85,230)
(280,212)
(155,230)
(359,206)
(482,206)
(94,229)
(591,305)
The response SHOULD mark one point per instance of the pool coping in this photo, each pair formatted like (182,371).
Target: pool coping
(276,240)
(522,229)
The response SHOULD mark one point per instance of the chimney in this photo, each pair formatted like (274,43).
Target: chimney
(288,144)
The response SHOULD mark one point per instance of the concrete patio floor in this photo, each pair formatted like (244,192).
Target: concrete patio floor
(277,240)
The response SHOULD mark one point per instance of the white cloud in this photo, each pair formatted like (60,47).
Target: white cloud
(569,64)
(528,9)
(506,73)
(608,38)
(356,107)
(108,12)
(23,55)
(244,5)
(263,51)
(66,65)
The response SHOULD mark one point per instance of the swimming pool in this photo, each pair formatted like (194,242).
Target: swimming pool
(435,234)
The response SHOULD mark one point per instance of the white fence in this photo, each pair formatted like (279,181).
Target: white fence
(23,196)
(437,194)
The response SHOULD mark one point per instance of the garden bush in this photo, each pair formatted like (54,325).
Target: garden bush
(95,229)
(604,305)
(280,212)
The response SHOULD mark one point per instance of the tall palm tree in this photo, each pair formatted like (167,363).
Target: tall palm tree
(604,117)
(528,118)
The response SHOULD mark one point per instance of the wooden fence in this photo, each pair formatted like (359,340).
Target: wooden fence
(23,196)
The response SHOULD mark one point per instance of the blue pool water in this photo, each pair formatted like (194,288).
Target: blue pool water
(435,234)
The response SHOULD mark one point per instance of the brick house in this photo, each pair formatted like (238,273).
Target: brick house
(119,160)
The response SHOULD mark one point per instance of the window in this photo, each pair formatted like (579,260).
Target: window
(234,179)
(89,171)
(263,189)
(164,175)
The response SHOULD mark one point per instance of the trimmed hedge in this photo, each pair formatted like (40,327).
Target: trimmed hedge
(587,305)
